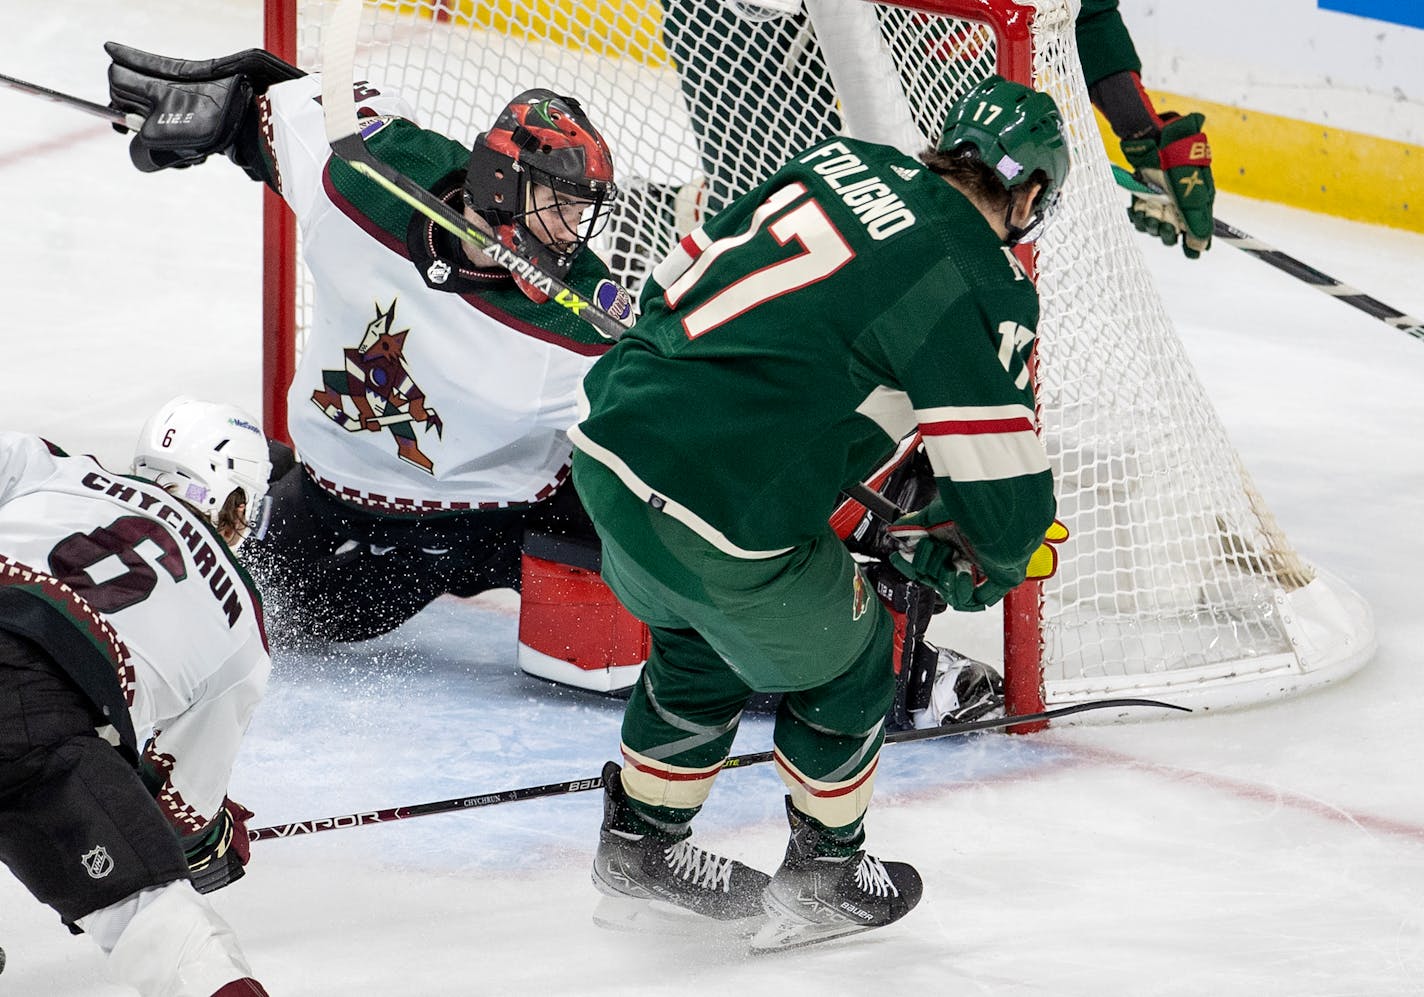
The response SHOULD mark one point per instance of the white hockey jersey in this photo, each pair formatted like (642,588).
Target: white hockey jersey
(122,556)
(409,399)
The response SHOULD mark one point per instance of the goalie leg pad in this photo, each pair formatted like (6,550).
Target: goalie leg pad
(572,629)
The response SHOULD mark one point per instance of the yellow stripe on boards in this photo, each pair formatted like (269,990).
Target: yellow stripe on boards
(1264,156)
(630,29)
(1305,165)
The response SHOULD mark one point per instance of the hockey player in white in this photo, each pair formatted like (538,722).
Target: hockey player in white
(430,409)
(124,612)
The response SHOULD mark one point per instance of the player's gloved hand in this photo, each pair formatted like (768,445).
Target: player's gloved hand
(1178,162)
(932,553)
(217,854)
(192,108)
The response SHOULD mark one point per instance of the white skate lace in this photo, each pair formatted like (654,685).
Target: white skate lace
(702,869)
(871,877)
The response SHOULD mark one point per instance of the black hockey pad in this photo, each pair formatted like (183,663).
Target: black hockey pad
(283,459)
(259,67)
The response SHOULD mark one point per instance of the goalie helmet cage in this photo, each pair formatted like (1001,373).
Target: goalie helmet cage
(1175,581)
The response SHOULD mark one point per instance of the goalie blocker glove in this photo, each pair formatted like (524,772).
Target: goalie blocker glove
(193,108)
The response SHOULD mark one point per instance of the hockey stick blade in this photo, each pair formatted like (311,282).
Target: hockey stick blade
(113,115)
(343,133)
(392,814)
(1298,269)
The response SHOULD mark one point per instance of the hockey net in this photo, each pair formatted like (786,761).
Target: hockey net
(1175,580)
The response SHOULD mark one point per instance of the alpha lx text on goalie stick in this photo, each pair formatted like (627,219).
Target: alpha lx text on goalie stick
(611,314)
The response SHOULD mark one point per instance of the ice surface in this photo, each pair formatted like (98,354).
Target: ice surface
(1273,851)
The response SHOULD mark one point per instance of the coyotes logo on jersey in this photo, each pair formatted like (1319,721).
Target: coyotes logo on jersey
(375,392)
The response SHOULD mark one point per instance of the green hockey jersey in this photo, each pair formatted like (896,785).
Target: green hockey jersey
(790,342)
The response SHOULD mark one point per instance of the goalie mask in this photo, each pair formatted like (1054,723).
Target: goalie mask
(542,140)
(1018,133)
(201,452)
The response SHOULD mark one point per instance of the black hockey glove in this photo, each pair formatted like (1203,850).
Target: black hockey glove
(216,855)
(192,108)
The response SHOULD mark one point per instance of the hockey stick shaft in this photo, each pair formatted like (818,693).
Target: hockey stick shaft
(343,133)
(112,115)
(392,814)
(875,502)
(1298,269)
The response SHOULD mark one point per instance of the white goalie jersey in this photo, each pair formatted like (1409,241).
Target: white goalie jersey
(134,570)
(409,399)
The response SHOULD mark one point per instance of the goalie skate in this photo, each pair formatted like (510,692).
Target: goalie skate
(963,690)
(815,897)
(668,885)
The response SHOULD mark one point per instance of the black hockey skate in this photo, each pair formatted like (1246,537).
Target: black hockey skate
(964,689)
(815,897)
(665,883)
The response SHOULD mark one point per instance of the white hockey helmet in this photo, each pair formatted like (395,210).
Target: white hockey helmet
(201,451)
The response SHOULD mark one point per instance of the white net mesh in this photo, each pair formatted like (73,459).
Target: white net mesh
(1174,574)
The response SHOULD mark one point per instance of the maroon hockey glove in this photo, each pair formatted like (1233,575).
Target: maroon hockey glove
(217,854)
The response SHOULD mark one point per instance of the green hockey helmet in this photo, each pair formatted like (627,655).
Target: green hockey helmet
(1018,133)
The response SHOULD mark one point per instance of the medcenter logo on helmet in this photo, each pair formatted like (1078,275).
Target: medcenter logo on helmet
(877,206)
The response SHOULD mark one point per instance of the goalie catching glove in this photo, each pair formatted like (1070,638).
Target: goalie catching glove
(217,854)
(192,108)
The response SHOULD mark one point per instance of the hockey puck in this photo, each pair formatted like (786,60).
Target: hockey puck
(2,960)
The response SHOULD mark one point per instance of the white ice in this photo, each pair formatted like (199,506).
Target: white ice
(1271,851)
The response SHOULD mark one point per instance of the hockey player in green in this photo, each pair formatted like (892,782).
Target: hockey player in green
(783,348)
(1166,149)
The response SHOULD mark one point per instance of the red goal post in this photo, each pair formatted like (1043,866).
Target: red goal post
(1175,581)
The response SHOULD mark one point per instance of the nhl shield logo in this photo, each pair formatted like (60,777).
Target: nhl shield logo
(97,862)
(439,272)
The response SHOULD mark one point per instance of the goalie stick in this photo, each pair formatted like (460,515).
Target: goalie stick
(133,122)
(1289,264)
(611,314)
(915,681)
(392,814)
